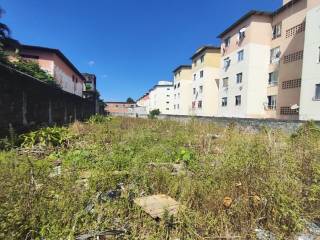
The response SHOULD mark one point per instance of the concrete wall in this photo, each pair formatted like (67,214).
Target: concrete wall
(310,107)
(289,126)
(26,102)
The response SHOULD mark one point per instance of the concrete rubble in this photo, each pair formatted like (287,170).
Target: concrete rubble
(157,205)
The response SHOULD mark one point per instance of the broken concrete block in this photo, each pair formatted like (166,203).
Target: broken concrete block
(157,205)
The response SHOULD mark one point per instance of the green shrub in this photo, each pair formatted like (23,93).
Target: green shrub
(99,119)
(154,113)
(49,136)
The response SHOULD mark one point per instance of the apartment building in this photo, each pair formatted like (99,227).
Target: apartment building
(263,60)
(160,97)
(182,90)
(205,81)
(55,63)
(144,101)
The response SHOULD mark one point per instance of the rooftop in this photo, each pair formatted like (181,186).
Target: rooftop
(203,49)
(261,13)
(182,67)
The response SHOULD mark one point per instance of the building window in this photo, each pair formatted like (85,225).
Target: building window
(238,100)
(239,78)
(201,89)
(227,42)
(194,77)
(276,31)
(195,63)
(194,91)
(224,102)
(167,109)
(202,59)
(178,85)
(273,78)
(225,82)
(199,104)
(178,95)
(272,102)
(275,55)
(226,63)
(240,55)
(168,95)
(193,104)
(292,57)
(242,34)
(201,74)
(178,106)
(317,96)
(175,86)
(295,83)
(174,96)
(168,89)
(174,106)
(295,30)
(167,102)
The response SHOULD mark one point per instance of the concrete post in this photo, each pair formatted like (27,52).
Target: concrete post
(50,111)
(24,108)
(65,118)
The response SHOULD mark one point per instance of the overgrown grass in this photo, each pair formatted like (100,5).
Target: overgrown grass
(272,179)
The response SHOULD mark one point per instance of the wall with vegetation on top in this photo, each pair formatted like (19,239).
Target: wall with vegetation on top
(26,102)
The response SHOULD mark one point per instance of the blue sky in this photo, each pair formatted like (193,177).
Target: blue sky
(128,44)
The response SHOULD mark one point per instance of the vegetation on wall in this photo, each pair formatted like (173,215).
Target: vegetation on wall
(235,182)
(33,69)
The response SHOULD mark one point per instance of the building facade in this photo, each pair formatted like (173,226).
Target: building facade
(182,90)
(119,108)
(205,79)
(57,65)
(160,97)
(264,62)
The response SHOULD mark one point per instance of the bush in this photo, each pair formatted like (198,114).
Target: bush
(99,119)
(50,136)
(154,113)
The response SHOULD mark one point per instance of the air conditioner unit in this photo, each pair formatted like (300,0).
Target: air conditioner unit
(294,107)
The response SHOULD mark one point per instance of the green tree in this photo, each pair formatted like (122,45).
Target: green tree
(5,39)
(130,100)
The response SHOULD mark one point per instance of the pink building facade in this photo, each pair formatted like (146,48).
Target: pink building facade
(57,65)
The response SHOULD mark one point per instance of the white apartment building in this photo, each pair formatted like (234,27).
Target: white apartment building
(205,80)
(310,84)
(182,90)
(269,65)
(160,97)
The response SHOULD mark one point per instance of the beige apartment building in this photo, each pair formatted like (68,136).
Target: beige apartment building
(205,80)
(264,61)
(182,90)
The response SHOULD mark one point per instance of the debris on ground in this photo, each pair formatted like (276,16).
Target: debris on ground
(157,205)
(227,201)
(111,194)
(174,168)
(57,169)
(107,234)
(263,234)
(312,231)
(213,136)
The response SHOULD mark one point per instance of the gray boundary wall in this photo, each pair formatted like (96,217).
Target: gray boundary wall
(289,126)
(26,102)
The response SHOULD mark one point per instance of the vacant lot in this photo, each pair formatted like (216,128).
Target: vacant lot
(58,183)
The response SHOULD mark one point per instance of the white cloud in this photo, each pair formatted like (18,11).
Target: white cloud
(104,76)
(91,63)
